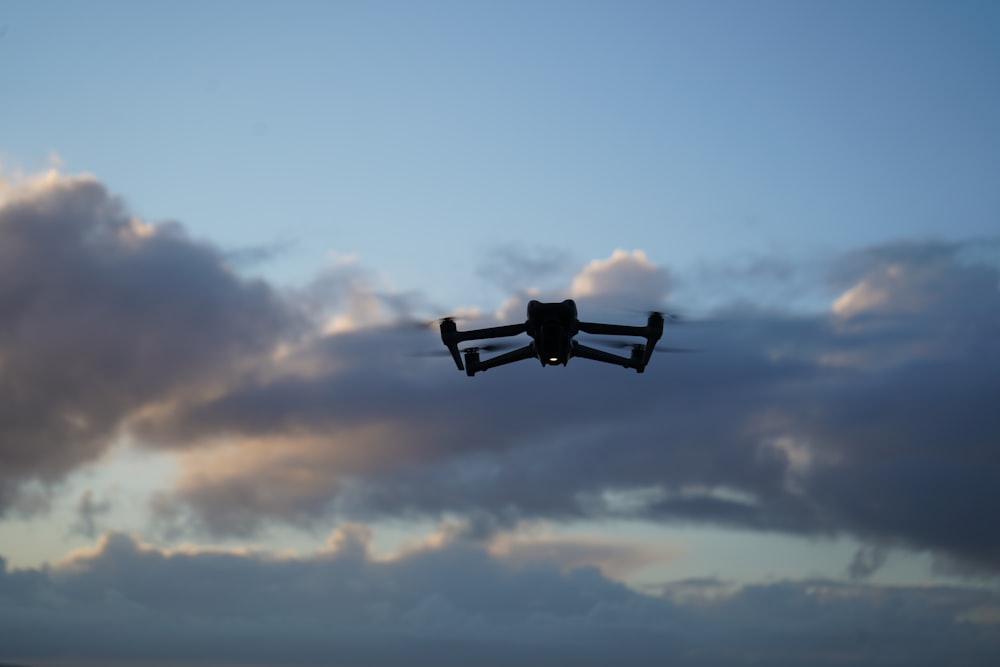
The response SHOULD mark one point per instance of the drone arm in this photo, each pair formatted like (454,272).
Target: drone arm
(607,357)
(451,336)
(651,332)
(613,329)
(652,338)
(474,365)
(490,332)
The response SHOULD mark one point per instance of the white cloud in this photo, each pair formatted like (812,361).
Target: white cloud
(625,275)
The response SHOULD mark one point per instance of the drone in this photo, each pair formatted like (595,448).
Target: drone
(552,328)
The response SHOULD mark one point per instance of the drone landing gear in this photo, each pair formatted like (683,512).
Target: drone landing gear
(639,357)
(471,361)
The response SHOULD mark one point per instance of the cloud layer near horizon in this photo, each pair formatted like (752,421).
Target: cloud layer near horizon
(455,603)
(875,417)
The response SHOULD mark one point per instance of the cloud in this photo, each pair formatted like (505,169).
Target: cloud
(516,267)
(874,420)
(615,560)
(88,511)
(917,279)
(625,279)
(867,560)
(103,315)
(448,604)
(346,296)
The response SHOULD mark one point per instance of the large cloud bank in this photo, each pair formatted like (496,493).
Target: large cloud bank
(874,417)
(102,315)
(455,603)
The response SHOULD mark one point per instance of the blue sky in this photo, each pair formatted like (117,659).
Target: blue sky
(173,398)
(419,136)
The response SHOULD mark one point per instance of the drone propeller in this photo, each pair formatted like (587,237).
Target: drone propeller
(694,319)
(668,316)
(431,323)
(612,342)
(489,347)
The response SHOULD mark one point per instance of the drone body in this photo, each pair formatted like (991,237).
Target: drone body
(552,328)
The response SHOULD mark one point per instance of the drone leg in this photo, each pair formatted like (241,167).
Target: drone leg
(449,336)
(654,329)
(607,357)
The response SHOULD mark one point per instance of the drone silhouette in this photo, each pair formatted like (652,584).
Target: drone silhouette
(552,328)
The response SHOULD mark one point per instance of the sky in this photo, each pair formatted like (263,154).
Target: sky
(225,441)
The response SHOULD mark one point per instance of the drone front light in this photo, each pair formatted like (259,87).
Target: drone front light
(554,360)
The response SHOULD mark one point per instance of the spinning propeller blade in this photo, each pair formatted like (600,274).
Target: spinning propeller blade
(614,342)
(432,323)
(674,350)
(490,347)
(669,317)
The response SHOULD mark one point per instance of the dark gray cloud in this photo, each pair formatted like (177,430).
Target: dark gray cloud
(102,315)
(88,512)
(457,604)
(867,560)
(873,418)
